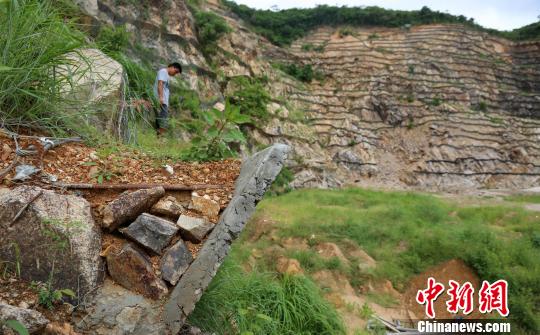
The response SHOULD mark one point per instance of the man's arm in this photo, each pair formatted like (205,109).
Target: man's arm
(160,91)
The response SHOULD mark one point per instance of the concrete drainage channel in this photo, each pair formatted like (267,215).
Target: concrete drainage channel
(134,298)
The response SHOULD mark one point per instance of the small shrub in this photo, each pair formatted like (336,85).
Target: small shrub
(251,97)
(495,120)
(383,299)
(48,296)
(140,76)
(382,50)
(435,102)
(113,39)
(303,73)
(535,239)
(411,69)
(216,131)
(281,184)
(319,48)
(210,28)
(345,31)
(481,107)
(365,312)
(307,47)
(373,36)
(334,263)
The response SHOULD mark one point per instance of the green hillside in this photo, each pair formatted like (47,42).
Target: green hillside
(284,26)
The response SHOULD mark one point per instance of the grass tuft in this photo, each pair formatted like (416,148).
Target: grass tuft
(34,41)
(260,303)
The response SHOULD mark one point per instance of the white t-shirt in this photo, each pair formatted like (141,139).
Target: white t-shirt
(162,75)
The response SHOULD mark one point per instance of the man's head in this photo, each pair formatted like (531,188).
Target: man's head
(174,69)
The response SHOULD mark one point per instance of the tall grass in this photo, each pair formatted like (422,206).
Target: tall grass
(262,304)
(34,41)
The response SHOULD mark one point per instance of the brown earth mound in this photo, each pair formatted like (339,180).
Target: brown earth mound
(454,269)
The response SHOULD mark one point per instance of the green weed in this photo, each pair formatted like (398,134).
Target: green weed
(435,102)
(304,72)
(47,295)
(210,28)
(365,311)
(307,47)
(113,39)
(346,31)
(216,131)
(251,97)
(481,107)
(260,303)
(383,299)
(15,326)
(282,182)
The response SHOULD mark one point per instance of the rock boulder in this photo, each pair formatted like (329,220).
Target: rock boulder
(175,262)
(95,84)
(151,231)
(168,206)
(206,206)
(194,229)
(129,206)
(32,320)
(55,237)
(116,310)
(131,267)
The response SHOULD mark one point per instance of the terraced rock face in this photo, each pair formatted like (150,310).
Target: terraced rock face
(437,106)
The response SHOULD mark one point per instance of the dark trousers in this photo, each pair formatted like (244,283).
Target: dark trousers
(162,116)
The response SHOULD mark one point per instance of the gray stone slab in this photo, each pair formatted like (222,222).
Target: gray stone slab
(116,310)
(256,175)
(151,232)
(175,262)
(128,206)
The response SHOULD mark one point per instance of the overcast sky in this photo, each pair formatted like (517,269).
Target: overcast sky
(499,14)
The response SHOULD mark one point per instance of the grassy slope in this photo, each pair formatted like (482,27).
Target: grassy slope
(497,241)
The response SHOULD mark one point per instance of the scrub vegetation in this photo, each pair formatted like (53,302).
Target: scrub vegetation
(282,27)
(406,233)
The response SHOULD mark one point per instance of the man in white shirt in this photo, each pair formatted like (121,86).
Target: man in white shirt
(161,91)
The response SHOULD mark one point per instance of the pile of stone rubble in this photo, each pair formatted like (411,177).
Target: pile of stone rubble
(138,264)
(157,227)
